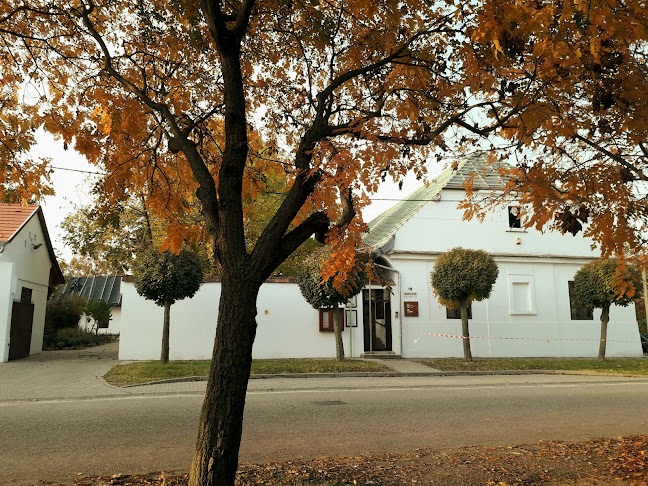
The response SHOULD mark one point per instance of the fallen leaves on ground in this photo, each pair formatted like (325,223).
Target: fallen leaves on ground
(621,461)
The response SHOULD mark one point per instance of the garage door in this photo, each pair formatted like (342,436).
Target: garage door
(22,317)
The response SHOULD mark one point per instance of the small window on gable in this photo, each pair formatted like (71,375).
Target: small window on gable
(515,217)
(456,313)
(578,311)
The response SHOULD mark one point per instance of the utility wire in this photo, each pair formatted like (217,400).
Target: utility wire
(78,170)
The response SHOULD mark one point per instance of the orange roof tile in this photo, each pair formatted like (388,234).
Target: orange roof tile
(12,217)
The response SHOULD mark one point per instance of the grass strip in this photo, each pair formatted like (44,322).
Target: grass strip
(634,366)
(145,371)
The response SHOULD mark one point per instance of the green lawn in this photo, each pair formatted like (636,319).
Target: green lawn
(634,366)
(145,371)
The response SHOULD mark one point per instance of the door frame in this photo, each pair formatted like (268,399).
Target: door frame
(383,305)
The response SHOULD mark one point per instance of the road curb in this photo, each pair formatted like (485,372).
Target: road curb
(381,374)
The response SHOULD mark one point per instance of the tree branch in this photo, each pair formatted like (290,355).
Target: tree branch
(616,157)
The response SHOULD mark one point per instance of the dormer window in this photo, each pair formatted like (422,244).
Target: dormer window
(515,216)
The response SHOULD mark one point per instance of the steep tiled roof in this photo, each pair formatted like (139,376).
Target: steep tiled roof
(383,228)
(12,217)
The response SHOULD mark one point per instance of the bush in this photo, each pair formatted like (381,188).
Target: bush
(99,310)
(74,338)
(64,311)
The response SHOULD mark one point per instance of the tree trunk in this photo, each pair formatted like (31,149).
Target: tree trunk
(215,459)
(164,355)
(605,318)
(465,332)
(337,330)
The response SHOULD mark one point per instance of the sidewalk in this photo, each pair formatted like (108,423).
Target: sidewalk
(78,374)
(64,374)
(402,365)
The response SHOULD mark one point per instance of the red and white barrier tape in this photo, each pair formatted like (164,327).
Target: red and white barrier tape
(520,338)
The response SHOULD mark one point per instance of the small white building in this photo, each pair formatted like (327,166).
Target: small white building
(95,287)
(28,267)
(530,312)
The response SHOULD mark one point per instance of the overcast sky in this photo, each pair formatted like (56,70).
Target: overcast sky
(73,189)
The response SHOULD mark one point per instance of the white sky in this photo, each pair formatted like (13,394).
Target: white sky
(73,189)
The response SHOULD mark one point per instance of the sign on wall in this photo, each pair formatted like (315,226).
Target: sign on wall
(411,309)
(326,319)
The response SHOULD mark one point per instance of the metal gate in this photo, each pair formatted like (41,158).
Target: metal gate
(22,318)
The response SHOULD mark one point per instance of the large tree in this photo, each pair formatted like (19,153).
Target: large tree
(196,101)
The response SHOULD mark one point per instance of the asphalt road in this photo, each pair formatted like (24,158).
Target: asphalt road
(286,419)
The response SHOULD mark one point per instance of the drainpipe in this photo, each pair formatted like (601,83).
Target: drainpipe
(370,321)
(400,298)
(645,290)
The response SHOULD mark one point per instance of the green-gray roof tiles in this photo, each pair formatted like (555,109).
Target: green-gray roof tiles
(383,228)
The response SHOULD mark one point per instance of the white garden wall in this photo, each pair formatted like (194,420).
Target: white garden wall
(287,326)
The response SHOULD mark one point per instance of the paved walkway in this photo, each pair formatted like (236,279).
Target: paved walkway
(408,366)
(78,374)
(59,374)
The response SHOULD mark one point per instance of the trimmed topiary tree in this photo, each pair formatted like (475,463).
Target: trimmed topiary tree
(461,276)
(322,294)
(165,278)
(604,282)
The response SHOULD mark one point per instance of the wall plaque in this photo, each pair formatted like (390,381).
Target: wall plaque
(411,309)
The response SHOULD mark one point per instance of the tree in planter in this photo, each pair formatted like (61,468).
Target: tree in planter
(165,278)
(603,283)
(324,294)
(460,277)
(99,310)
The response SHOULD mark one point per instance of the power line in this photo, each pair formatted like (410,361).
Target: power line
(78,170)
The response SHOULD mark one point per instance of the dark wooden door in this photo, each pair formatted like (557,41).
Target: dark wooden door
(22,318)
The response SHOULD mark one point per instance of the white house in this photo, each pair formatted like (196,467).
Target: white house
(529,313)
(95,287)
(28,267)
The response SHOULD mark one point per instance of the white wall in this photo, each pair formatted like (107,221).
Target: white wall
(439,226)
(7,270)
(289,329)
(501,330)
(287,326)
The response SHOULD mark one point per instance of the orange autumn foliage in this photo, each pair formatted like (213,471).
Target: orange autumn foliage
(200,103)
